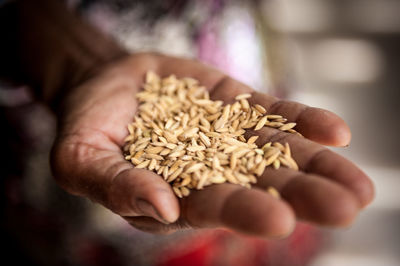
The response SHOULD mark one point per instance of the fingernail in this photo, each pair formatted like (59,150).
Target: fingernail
(148,210)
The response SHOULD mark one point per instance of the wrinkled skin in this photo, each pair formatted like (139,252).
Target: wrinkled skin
(87,160)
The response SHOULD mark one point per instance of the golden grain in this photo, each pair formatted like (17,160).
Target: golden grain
(242,96)
(194,168)
(152,164)
(260,109)
(273,192)
(272,158)
(261,123)
(252,139)
(276,164)
(174,175)
(287,126)
(185,191)
(177,192)
(143,164)
(194,142)
(153,156)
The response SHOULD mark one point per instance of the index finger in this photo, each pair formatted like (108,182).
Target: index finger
(316,124)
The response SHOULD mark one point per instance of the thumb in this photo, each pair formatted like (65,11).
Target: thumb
(138,192)
(105,177)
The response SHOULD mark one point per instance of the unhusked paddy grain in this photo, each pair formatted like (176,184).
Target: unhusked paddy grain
(193,141)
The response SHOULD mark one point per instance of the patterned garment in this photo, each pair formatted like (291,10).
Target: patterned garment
(54,228)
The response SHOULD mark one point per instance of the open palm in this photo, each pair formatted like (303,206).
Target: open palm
(87,160)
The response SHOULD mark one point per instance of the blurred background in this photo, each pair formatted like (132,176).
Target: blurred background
(338,55)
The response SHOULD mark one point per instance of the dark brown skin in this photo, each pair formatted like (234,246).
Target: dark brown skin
(87,159)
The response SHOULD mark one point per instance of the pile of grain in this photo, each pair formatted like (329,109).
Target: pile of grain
(194,142)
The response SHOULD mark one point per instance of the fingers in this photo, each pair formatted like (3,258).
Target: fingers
(250,211)
(316,159)
(334,166)
(314,123)
(313,198)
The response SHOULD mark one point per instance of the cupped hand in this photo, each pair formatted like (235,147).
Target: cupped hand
(87,159)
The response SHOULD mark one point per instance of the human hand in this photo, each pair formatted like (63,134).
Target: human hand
(87,159)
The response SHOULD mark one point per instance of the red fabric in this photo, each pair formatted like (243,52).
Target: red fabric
(220,247)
